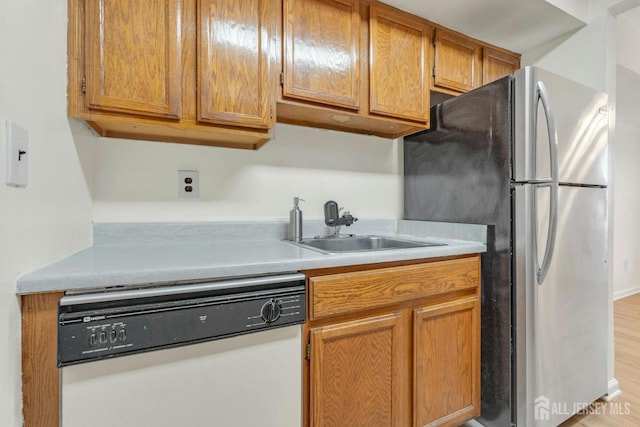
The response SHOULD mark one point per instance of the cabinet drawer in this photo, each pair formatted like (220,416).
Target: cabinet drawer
(361,290)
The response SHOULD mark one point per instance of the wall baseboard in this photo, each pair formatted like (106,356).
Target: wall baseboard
(626,293)
(613,391)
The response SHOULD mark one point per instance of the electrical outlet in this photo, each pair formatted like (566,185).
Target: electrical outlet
(188,184)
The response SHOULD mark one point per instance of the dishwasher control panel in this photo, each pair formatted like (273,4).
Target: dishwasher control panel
(96,330)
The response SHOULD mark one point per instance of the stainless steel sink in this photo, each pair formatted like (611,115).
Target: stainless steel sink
(361,244)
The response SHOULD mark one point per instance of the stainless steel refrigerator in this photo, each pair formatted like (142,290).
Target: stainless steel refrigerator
(527,156)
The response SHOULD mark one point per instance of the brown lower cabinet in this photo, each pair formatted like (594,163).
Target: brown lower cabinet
(399,346)
(446,362)
(394,344)
(356,372)
(40,373)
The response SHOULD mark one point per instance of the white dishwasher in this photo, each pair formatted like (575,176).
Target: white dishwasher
(241,367)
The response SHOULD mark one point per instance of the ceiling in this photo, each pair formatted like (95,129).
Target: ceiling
(633,15)
(517,25)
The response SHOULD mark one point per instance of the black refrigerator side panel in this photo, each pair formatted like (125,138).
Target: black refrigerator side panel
(460,171)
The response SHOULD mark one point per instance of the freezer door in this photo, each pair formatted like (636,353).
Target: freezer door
(560,323)
(580,118)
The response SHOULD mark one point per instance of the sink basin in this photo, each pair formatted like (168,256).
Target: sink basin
(361,244)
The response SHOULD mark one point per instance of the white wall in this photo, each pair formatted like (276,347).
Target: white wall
(52,216)
(137,181)
(627,49)
(626,233)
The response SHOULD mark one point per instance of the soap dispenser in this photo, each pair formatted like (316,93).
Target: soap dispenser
(295,221)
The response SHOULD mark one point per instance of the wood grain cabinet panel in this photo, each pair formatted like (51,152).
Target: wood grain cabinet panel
(40,373)
(457,62)
(233,62)
(398,72)
(447,363)
(404,351)
(134,53)
(188,71)
(321,41)
(356,291)
(497,64)
(356,373)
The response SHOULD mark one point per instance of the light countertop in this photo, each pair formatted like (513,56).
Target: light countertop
(117,262)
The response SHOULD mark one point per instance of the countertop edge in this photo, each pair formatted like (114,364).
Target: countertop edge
(134,255)
(42,281)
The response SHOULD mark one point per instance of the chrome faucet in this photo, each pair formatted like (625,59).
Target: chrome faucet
(332,218)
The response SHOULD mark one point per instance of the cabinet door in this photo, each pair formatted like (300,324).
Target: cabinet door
(497,64)
(134,57)
(447,363)
(356,373)
(399,47)
(321,41)
(233,71)
(458,61)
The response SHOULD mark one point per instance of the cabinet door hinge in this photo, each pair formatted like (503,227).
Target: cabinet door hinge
(308,350)
(434,71)
(282,78)
(271,112)
(84,85)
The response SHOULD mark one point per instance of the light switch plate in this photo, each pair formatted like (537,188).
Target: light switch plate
(17,154)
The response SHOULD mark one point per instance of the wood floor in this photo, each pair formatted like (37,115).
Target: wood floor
(625,409)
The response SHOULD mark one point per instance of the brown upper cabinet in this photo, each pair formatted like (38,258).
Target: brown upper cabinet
(321,42)
(233,72)
(463,64)
(193,71)
(497,64)
(354,65)
(125,75)
(219,72)
(458,62)
(399,64)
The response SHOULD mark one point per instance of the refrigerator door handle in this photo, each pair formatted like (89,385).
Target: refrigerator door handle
(543,96)
(543,268)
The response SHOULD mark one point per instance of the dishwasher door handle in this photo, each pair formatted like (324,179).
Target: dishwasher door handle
(97,297)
